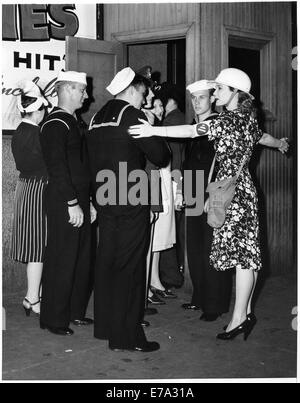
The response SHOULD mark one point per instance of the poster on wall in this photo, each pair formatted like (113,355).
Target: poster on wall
(33,48)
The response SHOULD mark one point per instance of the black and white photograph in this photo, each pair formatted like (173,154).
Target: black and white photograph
(149,195)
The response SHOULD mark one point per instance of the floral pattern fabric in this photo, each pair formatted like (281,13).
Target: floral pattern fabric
(236,243)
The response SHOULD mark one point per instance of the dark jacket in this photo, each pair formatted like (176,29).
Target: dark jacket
(27,152)
(176,118)
(65,154)
(110,144)
(200,154)
(199,151)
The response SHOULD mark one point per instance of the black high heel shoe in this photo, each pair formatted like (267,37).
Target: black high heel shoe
(244,328)
(27,305)
(251,317)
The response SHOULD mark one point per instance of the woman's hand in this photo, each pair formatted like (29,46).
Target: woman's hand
(140,131)
(150,116)
(93,212)
(76,216)
(284,145)
(178,202)
(181,131)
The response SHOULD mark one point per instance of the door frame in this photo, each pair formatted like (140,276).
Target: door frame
(265,42)
(173,32)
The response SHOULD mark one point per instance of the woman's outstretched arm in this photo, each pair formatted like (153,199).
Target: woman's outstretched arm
(269,141)
(183,131)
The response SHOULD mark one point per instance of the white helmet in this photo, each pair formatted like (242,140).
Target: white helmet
(235,78)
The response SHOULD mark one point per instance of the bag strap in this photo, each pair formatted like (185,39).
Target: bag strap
(241,166)
(213,167)
(211,170)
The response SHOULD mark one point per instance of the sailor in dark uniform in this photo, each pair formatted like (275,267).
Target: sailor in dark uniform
(211,288)
(67,276)
(124,226)
(172,260)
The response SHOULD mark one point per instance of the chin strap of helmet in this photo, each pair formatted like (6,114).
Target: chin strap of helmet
(232,96)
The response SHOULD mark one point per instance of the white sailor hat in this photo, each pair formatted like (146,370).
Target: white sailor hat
(121,81)
(201,85)
(30,89)
(72,76)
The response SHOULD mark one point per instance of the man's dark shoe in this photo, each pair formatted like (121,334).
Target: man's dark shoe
(209,317)
(155,300)
(147,347)
(150,311)
(61,331)
(190,307)
(145,323)
(163,293)
(83,322)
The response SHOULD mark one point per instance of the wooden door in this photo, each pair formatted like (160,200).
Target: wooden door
(101,60)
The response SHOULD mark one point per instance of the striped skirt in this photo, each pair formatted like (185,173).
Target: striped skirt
(29,224)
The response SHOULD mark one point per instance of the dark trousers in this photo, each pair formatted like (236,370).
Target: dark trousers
(172,259)
(211,288)
(67,273)
(120,278)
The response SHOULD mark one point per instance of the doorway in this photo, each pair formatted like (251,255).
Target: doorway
(167,59)
(247,60)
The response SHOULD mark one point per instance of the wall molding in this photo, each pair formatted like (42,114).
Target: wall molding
(155,34)
(171,32)
(249,38)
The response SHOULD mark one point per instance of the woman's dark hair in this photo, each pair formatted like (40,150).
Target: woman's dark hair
(213,105)
(245,102)
(158,122)
(27,101)
(155,98)
(211,92)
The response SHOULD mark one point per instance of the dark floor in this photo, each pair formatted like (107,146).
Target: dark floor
(189,348)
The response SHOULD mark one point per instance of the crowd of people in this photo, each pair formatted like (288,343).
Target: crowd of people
(73,179)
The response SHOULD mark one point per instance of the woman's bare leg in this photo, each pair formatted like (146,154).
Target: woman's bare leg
(155,280)
(245,282)
(34,277)
(249,309)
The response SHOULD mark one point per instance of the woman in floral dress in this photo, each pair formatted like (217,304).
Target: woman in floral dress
(235,133)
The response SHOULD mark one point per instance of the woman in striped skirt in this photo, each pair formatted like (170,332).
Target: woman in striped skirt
(29,233)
